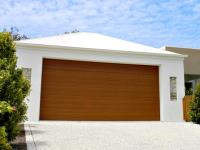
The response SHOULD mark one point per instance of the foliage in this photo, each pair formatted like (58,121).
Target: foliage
(4,145)
(16,36)
(14,87)
(195,106)
(188,92)
(4,108)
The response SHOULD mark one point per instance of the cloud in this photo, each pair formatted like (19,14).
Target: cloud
(151,22)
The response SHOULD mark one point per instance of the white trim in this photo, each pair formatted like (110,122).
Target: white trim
(28,45)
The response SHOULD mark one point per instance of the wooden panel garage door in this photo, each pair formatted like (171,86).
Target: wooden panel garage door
(76,90)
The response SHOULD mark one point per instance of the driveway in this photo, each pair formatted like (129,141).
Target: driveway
(112,136)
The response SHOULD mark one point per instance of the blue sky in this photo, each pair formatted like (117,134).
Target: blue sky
(151,22)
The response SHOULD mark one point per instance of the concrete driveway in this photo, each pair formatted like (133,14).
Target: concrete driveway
(112,136)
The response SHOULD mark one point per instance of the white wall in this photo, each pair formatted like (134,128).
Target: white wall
(169,110)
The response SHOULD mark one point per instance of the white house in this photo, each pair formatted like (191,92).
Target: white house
(88,76)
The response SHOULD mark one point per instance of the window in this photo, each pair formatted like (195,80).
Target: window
(173,89)
(27,73)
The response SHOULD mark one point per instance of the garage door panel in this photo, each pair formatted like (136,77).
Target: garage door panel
(101,89)
(94,104)
(98,67)
(75,90)
(102,75)
(83,81)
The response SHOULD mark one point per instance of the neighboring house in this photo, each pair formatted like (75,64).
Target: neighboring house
(191,65)
(88,76)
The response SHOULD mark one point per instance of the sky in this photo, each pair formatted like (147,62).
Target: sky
(155,23)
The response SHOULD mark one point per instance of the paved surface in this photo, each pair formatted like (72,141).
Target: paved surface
(112,136)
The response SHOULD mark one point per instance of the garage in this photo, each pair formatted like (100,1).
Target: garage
(77,90)
(93,77)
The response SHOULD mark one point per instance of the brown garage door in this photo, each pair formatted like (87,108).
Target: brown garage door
(76,90)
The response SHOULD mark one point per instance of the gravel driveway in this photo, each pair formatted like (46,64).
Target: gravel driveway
(112,136)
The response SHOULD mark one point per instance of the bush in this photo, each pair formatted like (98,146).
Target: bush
(4,145)
(14,87)
(4,108)
(195,106)
(188,92)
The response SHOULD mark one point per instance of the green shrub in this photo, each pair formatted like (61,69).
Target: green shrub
(14,87)
(4,145)
(195,106)
(4,108)
(188,92)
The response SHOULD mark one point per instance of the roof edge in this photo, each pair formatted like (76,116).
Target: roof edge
(176,55)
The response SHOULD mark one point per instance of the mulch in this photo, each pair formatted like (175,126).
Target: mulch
(20,142)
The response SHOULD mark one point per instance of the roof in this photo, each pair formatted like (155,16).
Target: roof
(86,40)
(179,48)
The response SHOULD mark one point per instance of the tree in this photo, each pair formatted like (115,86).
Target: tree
(14,87)
(15,34)
(195,106)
